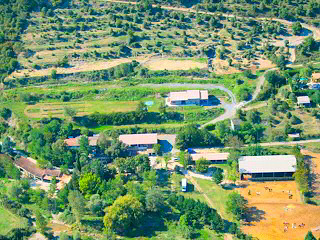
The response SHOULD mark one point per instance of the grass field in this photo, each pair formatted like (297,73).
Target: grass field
(9,221)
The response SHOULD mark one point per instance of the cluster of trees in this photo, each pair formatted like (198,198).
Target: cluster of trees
(302,172)
(191,136)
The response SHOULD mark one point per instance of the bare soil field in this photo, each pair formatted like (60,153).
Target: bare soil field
(162,64)
(76,67)
(270,210)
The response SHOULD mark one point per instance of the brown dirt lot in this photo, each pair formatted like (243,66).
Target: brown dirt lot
(270,209)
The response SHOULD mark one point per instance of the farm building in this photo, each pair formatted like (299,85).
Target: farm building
(274,167)
(29,167)
(212,157)
(75,142)
(303,101)
(189,97)
(139,142)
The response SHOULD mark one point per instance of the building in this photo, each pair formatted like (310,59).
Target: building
(235,124)
(273,167)
(28,166)
(189,97)
(212,157)
(303,101)
(313,85)
(75,142)
(139,142)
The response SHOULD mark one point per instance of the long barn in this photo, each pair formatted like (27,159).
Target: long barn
(273,167)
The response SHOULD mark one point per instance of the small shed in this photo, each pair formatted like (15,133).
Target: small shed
(303,101)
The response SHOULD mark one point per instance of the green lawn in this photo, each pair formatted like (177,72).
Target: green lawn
(9,221)
(217,195)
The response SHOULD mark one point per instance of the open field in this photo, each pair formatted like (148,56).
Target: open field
(9,221)
(41,110)
(271,209)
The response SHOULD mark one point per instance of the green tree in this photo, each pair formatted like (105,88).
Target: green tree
(70,112)
(154,200)
(309,236)
(84,145)
(157,149)
(237,205)
(41,221)
(89,183)
(124,214)
(7,145)
(202,165)
(77,204)
(217,175)
(296,28)
(233,174)
(54,74)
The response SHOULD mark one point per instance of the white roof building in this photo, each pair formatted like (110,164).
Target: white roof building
(189,95)
(303,100)
(139,139)
(267,164)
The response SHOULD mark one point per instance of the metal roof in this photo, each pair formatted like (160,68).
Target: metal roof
(303,99)
(188,95)
(267,164)
(133,139)
(210,156)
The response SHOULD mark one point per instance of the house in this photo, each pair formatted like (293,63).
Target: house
(273,167)
(303,101)
(139,142)
(189,97)
(75,142)
(314,85)
(235,124)
(212,157)
(29,167)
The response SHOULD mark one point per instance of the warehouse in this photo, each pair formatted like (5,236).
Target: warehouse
(274,167)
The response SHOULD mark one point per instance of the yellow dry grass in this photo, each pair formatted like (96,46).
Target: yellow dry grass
(174,64)
(274,208)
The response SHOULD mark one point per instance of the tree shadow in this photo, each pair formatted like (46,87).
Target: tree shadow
(254,215)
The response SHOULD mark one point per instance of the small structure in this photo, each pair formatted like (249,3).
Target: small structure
(29,167)
(139,142)
(235,124)
(314,85)
(184,185)
(303,101)
(189,97)
(294,135)
(261,168)
(212,157)
(75,142)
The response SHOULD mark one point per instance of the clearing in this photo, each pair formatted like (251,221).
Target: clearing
(270,210)
(9,221)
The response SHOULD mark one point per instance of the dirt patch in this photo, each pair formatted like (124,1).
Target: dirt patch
(269,210)
(174,64)
(77,67)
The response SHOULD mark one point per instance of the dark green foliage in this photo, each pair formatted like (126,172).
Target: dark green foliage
(191,136)
(136,165)
(7,168)
(197,213)
(275,79)
(237,205)
(202,165)
(217,175)
(296,28)
(309,236)
(5,113)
